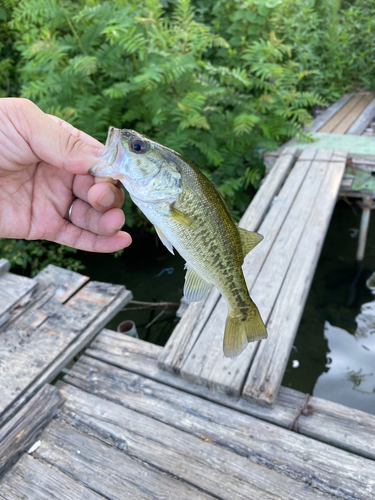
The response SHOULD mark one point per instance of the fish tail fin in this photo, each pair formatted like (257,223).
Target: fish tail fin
(239,331)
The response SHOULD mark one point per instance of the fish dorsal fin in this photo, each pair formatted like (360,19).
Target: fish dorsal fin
(164,240)
(182,218)
(249,240)
(195,288)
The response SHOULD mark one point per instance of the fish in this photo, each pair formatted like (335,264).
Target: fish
(189,215)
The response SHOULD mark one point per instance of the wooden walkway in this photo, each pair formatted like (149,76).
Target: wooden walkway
(44,323)
(349,115)
(134,420)
(292,209)
(123,428)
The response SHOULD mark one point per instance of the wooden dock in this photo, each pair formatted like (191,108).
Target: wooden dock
(131,419)
(44,323)
(349,115)
(292,208)
(124,428)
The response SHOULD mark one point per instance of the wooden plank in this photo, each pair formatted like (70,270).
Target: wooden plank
(4,266)
(25,427)
(362,122)
(258,208)
(206,363)
(29,359)
(307,154)
(113,472)
(25,314)
(188,329)
(323,154)
(329,113)
(66,282)
(12,288)
(62,282)
(278,449)
(196,460)
(331,125)
(269,364)
(354,114)
(330,422)
(340,155)
(32,480)
(184,336)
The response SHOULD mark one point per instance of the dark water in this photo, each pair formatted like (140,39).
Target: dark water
(332,362)
(152,273)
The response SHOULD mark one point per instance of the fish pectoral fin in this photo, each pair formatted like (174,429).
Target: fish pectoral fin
(195,288)
(180,217)
(164,240)
(249,240)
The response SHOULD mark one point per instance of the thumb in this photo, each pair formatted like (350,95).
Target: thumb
(57,142)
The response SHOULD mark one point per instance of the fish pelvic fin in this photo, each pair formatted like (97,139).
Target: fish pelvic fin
(239,331)
(164,240)
(249,240)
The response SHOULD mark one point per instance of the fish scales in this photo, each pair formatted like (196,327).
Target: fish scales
(190,215)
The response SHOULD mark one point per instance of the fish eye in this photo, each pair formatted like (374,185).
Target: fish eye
(138,146)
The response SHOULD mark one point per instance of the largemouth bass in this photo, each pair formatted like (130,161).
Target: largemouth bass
(190,215)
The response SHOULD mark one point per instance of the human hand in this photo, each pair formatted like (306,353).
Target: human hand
(44,164)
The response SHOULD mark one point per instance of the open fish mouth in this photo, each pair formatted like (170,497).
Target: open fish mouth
(105,165)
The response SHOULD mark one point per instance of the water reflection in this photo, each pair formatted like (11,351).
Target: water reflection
(350,378)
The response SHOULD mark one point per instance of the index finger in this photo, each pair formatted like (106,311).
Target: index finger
(75,131)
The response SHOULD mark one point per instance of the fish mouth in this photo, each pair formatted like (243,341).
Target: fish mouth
(108,157)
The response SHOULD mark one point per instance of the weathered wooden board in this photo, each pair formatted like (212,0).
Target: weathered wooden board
(114,472)
(4,266)
(66,282)
(360,125)
(196,460)
(343,427)
(333,123)
(340,155)
(300,458)
(30,479)
(206,363)
(268,367)
(329,113)
(25,427)
(29,358)
(53,281)
(354,114)
(270,187)
(24,313)
(188,329)
(12,289)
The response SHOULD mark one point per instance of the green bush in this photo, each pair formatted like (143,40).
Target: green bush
(217,80)
(9,56)
(29,257)
(334,39)
(216,98)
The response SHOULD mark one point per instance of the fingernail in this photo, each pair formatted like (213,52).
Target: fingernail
(107,198)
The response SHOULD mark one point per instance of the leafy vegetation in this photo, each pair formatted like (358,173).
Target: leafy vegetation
(334,39)
(30,256)
(217,80)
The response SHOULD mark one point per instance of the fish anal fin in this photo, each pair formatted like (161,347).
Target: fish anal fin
(249,240)
(239,332)
(164,240)
(195,288)
(182,218)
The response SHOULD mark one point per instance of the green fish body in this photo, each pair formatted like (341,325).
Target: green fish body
(190,215)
